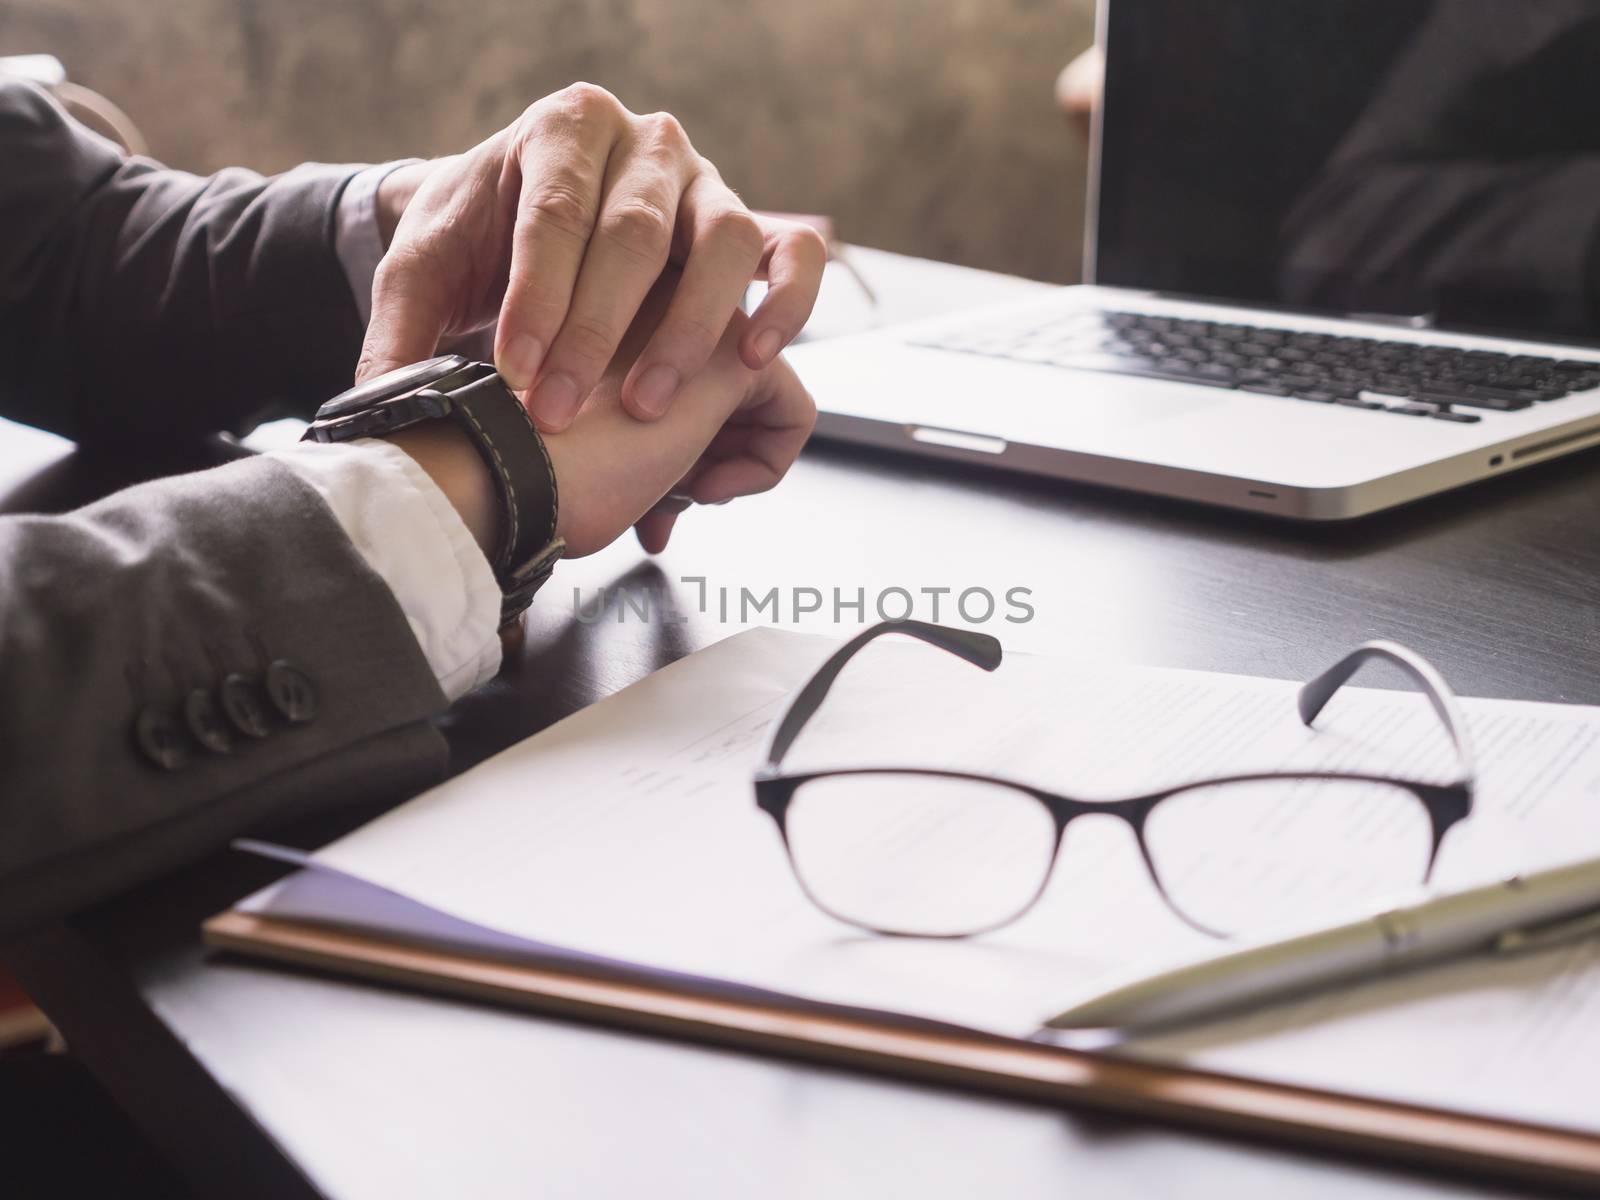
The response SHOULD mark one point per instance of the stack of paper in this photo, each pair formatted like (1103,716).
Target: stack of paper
(629,833)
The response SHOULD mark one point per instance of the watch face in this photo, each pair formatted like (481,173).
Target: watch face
(395,383)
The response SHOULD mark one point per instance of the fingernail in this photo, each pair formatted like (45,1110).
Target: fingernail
(521,361)
(555,400)
(768,343)
(655,389)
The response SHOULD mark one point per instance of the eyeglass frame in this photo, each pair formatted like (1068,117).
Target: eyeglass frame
(1446,804)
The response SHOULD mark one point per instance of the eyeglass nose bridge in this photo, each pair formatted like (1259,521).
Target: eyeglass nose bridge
(1133,813)
(1065,810)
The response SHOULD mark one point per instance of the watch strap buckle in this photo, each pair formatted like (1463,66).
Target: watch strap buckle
(520,583)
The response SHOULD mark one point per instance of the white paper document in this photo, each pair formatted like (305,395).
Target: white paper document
(629,832)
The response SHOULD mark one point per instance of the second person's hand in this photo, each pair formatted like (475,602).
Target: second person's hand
(554,230)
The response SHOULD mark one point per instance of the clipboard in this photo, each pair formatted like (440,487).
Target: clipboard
(1327,1121)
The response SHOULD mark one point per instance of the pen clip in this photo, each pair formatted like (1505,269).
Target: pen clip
(1553,933)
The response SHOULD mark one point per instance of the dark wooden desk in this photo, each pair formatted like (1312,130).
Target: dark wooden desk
(266,1083)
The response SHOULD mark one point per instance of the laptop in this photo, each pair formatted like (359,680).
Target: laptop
(1343,254)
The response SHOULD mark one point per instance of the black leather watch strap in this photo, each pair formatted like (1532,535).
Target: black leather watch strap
(473,396)
(515,454)
(505,438)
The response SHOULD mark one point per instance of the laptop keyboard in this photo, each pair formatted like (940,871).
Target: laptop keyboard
(1399,377)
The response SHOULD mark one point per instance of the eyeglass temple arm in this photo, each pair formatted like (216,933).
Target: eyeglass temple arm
(1315,695)
(979,649)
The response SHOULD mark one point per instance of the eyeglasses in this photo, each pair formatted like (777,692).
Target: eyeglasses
(934,853)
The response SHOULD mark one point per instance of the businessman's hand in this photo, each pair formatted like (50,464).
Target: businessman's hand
(734,432)
(556,228)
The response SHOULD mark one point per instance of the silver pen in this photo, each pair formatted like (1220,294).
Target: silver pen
(1526,912)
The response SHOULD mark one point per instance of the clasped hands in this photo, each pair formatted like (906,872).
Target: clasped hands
(610,259)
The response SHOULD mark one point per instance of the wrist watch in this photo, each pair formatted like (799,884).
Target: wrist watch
(473,396)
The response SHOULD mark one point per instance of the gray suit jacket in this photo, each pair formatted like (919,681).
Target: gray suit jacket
(187,658)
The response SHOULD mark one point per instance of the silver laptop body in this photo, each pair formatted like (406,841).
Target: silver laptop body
(1345,254)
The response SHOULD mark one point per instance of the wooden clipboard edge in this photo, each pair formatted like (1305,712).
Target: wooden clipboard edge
(1426,1137)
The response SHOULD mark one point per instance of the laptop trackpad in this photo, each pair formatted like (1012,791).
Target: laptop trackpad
(941,393)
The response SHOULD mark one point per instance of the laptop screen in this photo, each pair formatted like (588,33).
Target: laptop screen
(1406,157)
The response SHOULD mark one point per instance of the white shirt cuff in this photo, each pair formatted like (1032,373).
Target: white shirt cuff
(412,536)
(357,239)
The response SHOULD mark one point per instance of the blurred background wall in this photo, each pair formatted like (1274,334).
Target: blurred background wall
(926,126)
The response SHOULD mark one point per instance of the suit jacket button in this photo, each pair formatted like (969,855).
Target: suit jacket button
(204,718)
(161,739)
(241,704)
(291,692)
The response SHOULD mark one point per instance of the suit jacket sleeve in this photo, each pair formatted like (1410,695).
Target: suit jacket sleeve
(137,301)
(123,620)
